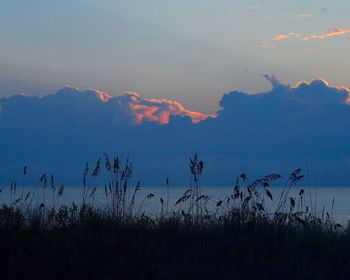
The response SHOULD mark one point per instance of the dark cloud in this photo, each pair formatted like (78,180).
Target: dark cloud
(70,106)
(274,131)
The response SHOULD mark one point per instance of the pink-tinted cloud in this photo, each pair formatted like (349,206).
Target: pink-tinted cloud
(158,110)
(328,34)
(103,96)
(126,109)
(265,45)
(313,37)
(282,37)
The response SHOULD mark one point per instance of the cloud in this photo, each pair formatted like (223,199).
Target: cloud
(306,123)
(282,37)
(313,37)
(283,104)
(96,107)
(159,110)
(328,34)
(263,44)
(232,14)
(312,92)
(285,127)
(320,91)
(103,96)
(304,15)
(254,7)
(272,79)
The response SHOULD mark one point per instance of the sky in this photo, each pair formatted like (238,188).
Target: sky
(188,51)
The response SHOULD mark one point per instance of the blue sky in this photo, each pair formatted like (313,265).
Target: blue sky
(190,51)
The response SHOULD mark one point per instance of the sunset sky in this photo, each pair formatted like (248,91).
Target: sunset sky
(188,51)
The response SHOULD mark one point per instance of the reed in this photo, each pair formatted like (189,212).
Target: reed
(250,233)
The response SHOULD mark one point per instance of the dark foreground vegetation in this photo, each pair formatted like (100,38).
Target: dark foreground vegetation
(238,237)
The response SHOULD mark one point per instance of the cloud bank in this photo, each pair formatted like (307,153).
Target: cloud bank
(275,131)
(91,107)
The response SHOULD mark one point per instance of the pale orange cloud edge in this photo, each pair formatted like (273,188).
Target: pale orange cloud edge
(264,45)
(313,37)
(103,96)
(342,88)
(330,33)
(151,109)
(282,37)
(160,110)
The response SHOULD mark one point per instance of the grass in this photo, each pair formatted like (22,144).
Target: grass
(238,237)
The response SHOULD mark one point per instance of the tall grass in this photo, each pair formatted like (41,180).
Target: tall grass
(248,199)
(250,233)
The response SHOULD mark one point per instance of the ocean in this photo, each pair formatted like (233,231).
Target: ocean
(321,200)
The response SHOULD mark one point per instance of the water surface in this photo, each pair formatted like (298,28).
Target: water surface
(318,199)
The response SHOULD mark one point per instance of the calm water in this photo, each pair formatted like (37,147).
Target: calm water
(321,197)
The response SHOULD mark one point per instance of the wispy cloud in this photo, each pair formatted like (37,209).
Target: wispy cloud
(328,34)
(303,15)
(254,7)
(232,14)
(290,15)
(263,44)
(336,32)
(282,37)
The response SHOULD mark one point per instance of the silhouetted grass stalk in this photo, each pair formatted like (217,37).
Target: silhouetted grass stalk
(247,203)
